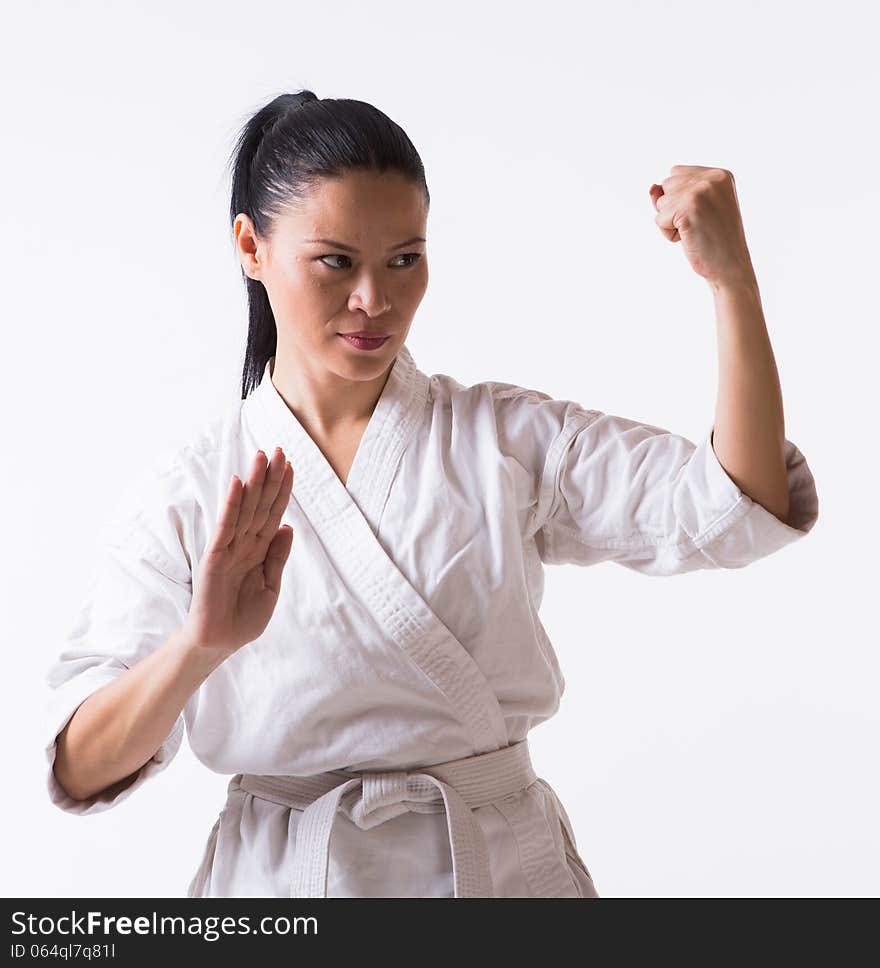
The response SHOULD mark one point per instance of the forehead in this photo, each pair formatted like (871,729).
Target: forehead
(358,204)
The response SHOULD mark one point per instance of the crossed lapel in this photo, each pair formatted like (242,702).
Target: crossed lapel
(346,517)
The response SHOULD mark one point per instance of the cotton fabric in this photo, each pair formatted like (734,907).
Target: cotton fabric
(407,632)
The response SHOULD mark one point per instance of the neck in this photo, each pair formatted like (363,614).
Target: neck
(324,402)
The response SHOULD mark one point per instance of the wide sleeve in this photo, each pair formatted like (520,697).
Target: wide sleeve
(615,489)
(138,592)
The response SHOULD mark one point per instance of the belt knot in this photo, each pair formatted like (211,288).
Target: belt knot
(382,795)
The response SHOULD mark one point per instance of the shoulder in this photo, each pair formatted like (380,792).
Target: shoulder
(515,410)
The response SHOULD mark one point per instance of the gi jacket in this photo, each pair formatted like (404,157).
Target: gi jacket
(407,631)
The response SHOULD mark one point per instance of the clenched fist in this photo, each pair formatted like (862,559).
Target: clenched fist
(698,206)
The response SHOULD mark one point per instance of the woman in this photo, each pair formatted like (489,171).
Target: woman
(352,631)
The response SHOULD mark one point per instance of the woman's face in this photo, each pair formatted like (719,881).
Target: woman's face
(370,272)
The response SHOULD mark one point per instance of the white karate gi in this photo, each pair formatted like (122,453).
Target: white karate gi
(407,632)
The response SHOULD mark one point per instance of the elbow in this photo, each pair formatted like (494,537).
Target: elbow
(82,794)
(68,785)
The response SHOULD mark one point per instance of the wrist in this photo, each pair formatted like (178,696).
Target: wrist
(738,283)
(195,655)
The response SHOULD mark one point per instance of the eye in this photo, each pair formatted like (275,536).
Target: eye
(414,256)
(322,257)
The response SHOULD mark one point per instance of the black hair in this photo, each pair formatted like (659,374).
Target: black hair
(281,152)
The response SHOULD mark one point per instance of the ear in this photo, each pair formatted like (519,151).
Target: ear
(246,245)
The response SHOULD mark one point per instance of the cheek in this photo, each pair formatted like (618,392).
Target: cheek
(416,285)
(306,286)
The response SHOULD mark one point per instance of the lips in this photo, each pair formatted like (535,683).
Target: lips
(366,334)
(364,342)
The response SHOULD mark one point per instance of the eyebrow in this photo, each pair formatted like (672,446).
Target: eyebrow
(351,248)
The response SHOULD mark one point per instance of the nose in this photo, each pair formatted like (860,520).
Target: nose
(370,297)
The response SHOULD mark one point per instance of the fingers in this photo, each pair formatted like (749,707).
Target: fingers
(665,208)
(661,199)
(276,558)
(271,487)
(229,514)
(252,507)
(252,491)
(279,505)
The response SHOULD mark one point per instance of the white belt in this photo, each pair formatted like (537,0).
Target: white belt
(370,798)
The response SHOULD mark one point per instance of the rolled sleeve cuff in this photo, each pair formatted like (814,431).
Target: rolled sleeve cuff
(62,705)
(745,531)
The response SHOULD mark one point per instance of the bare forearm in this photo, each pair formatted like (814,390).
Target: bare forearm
(117,729)
(749,432)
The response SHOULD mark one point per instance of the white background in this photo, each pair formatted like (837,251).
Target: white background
(718,735)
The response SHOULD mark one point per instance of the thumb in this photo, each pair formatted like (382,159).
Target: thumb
(276,557)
